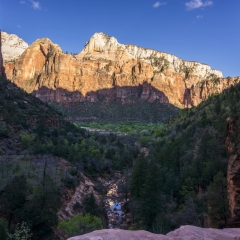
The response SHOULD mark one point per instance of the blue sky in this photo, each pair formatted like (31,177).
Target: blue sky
(207,31)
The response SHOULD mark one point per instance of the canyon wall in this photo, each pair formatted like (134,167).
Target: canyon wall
(107,70)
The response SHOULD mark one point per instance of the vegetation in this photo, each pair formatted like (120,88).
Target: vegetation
(187,168)
(22,232)
(34,140)
(80,224)
(124,127)
(175,181)
(115,113)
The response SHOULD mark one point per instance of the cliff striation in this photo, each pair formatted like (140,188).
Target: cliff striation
(106,69)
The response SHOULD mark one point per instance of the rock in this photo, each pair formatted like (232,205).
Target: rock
(183,233)
(73,198)
(106,69)
(12,46)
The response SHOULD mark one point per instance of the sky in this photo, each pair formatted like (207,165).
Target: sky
(207,31)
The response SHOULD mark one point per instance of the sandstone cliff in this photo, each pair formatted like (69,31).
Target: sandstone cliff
(183,233)
(113,71)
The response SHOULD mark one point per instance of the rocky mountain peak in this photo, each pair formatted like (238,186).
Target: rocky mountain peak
(12,46)
(101,42)
(100,45)
(106,64)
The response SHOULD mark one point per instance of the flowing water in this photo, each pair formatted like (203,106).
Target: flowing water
(114,207)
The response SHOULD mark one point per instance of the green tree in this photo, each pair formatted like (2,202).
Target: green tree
(22,232)
(218,200)
(80,224)
(90,205)
(151,200)
(3,229)
(138,176)
(27,140)
(13,198)
(42,209)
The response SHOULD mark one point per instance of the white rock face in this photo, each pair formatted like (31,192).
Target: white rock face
(103,43)
(12,46)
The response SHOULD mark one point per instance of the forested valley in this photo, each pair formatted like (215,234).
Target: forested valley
(173,172)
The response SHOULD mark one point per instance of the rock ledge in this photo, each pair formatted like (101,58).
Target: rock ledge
(183,233)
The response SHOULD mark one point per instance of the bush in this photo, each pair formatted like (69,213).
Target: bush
(71,178)
(22,232)
(27,140)
(80,224)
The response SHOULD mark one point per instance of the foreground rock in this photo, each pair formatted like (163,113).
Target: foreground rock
(183,233)
(106,69)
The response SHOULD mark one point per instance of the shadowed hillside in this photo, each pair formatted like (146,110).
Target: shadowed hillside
(191,175)
(43,158)
(119,104)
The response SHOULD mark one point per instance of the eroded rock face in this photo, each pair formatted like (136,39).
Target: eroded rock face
(183,233)
(73,199)
(113,71)
(12,46)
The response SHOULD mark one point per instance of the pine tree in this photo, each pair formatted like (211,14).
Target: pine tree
(218,200)
(138,177)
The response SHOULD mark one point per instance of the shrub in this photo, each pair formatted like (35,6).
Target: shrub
(80,224)
(27,140)
(22,232)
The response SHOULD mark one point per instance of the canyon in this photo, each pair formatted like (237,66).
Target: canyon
(109,71)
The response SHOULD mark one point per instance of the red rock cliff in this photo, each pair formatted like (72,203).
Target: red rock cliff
(107,67)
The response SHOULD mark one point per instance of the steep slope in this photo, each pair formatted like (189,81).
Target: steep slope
(108,70)
(44,161)
(193,169)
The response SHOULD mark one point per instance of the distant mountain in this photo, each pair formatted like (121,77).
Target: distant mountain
(108,71)
(12,46)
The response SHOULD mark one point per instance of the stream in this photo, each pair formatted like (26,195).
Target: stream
(113,203)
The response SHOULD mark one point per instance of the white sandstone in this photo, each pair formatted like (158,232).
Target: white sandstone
(12,46)
(102,43)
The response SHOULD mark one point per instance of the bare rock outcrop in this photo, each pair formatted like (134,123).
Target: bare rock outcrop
(12,46)
(113,71)
(73,199)
(183,233)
